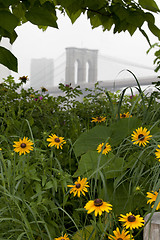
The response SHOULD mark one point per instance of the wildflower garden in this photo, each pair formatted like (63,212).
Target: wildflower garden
(80,170)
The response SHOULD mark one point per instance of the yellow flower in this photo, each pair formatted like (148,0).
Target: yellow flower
(98,206)
(138,188)
(125,115)
(55,141)
(106,149)
(0,149)
(153,197)
(124,235)
(80,186)
(158,153)
(65,237)
(131,221)
(23,146)
(98,119)
(141,136)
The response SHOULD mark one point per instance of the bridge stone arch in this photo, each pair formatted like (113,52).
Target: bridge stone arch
(83,57)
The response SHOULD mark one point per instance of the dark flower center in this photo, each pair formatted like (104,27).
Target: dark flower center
(131,218)
(123,115)
(104,147)
(98,202)
(57,140)
(119,239)
(140,137)
(78,185)
(23,145)
(99,118)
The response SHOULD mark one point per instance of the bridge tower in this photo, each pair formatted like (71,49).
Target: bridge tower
(81,66)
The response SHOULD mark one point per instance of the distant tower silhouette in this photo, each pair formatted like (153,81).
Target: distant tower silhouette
(81,65)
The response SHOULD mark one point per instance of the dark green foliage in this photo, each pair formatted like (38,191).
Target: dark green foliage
(35,201)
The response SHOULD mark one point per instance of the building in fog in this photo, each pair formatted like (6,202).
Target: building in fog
(85,67)
(42,71)
(81,65)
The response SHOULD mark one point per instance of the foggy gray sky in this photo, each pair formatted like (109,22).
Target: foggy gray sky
(34,43)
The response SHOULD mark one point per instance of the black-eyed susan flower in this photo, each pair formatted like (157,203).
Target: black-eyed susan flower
(158,153)
(65,237)
(153,197)
(55,141)
(141,136)
(123,235)
(131,221)
(98,119)
(98,205)
(106,149)
(125,115)
(23,146)
(80,186)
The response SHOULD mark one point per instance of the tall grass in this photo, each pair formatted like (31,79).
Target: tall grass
(35,201)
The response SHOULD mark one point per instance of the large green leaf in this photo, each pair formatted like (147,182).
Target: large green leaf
(149,5)
(8,59)
(122,129)
(92,161)
(90,140)
(41,16)
(123,199)
(8,21)
(115,134)
(87,232)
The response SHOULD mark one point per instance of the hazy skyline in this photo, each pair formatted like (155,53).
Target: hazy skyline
(34,43)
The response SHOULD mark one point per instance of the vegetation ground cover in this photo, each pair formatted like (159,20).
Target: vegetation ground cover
(75,169)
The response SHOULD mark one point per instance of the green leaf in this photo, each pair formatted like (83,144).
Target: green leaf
(48,185)
(120,11)
(149,5)
(12,36)
(8,21)
(135,19)
(155,30)
(43,1)
(123,199)
(90,140)
(107,22)
(87,232)
(95,21)
(8,59)
(74,16)
(41,16)
(122,129)
(109,164)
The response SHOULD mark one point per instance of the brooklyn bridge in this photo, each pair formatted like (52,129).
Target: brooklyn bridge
(85,67)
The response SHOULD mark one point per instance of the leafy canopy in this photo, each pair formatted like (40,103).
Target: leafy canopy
(122,15)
